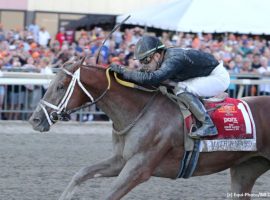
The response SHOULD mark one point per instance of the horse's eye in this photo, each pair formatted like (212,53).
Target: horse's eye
(60,87)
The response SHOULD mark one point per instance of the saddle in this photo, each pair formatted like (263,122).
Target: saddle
(234,122)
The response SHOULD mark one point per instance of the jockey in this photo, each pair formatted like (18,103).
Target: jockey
(196,74)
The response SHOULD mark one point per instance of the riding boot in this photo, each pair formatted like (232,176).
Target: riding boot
(197,109)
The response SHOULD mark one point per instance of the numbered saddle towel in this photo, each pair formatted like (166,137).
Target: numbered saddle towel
(235,124)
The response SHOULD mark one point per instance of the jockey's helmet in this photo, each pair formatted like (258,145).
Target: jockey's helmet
(146,46)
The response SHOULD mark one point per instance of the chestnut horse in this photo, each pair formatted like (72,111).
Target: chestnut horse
(148,133)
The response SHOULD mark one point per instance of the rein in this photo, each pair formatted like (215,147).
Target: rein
(132,124)
(124,83)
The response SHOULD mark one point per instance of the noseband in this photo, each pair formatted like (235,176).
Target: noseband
(59,112)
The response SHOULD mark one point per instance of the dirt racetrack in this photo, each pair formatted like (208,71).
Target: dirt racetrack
(37,166)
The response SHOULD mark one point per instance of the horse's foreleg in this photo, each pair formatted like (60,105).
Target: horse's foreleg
(139,168)
(244,175)
(107,168)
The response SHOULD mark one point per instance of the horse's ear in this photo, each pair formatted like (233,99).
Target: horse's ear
(78,64)
(68,65)
(73,64)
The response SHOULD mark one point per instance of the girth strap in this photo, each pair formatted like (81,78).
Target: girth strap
(190,159)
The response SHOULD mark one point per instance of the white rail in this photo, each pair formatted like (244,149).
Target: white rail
(22,78)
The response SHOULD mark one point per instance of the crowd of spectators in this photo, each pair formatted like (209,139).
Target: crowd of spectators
(34,49)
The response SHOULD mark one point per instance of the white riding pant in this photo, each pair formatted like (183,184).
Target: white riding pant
(207,86)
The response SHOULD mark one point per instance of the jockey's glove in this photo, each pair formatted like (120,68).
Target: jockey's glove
(119,69)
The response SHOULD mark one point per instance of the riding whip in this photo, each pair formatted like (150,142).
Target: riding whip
(114,29)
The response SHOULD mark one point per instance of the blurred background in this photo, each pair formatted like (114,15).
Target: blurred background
(37,36)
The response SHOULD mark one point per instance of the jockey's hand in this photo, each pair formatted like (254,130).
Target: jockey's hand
(117,68)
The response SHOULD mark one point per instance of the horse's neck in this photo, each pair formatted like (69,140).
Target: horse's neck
(123,108)
(123,105)
(120,103)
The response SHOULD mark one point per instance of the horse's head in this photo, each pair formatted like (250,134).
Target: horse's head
(63,95)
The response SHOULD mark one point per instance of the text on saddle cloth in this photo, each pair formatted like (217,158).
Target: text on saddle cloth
(235,124)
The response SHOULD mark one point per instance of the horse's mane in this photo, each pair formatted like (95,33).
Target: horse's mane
(99,67)
(75,61)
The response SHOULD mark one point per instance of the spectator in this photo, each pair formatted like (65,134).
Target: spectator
(112,47)
(104,53)
(127,36)
(43,37)
(232,68)
(34,30)
(165,39)
(45,69)
(132,64)
(80,47)
(118,38)
(60,36)
(64,54)
(244,48)
(247,69)
(187,40)
(130,54)
(36,57)
(20,52)
(30,65)
(31,90)
(70,36)
(256,61)
(265,71)
(121,56)
(238,59)
(196,43)
(16,61)
(55,47)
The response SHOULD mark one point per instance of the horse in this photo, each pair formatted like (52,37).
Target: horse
(148,133)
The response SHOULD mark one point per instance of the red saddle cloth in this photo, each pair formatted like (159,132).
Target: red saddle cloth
(235,124)
(233,119)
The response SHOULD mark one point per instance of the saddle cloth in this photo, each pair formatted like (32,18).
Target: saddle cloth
(235,124)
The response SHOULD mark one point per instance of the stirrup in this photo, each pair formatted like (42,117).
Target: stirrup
(209,134)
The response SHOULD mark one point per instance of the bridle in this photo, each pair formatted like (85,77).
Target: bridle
(59,111)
